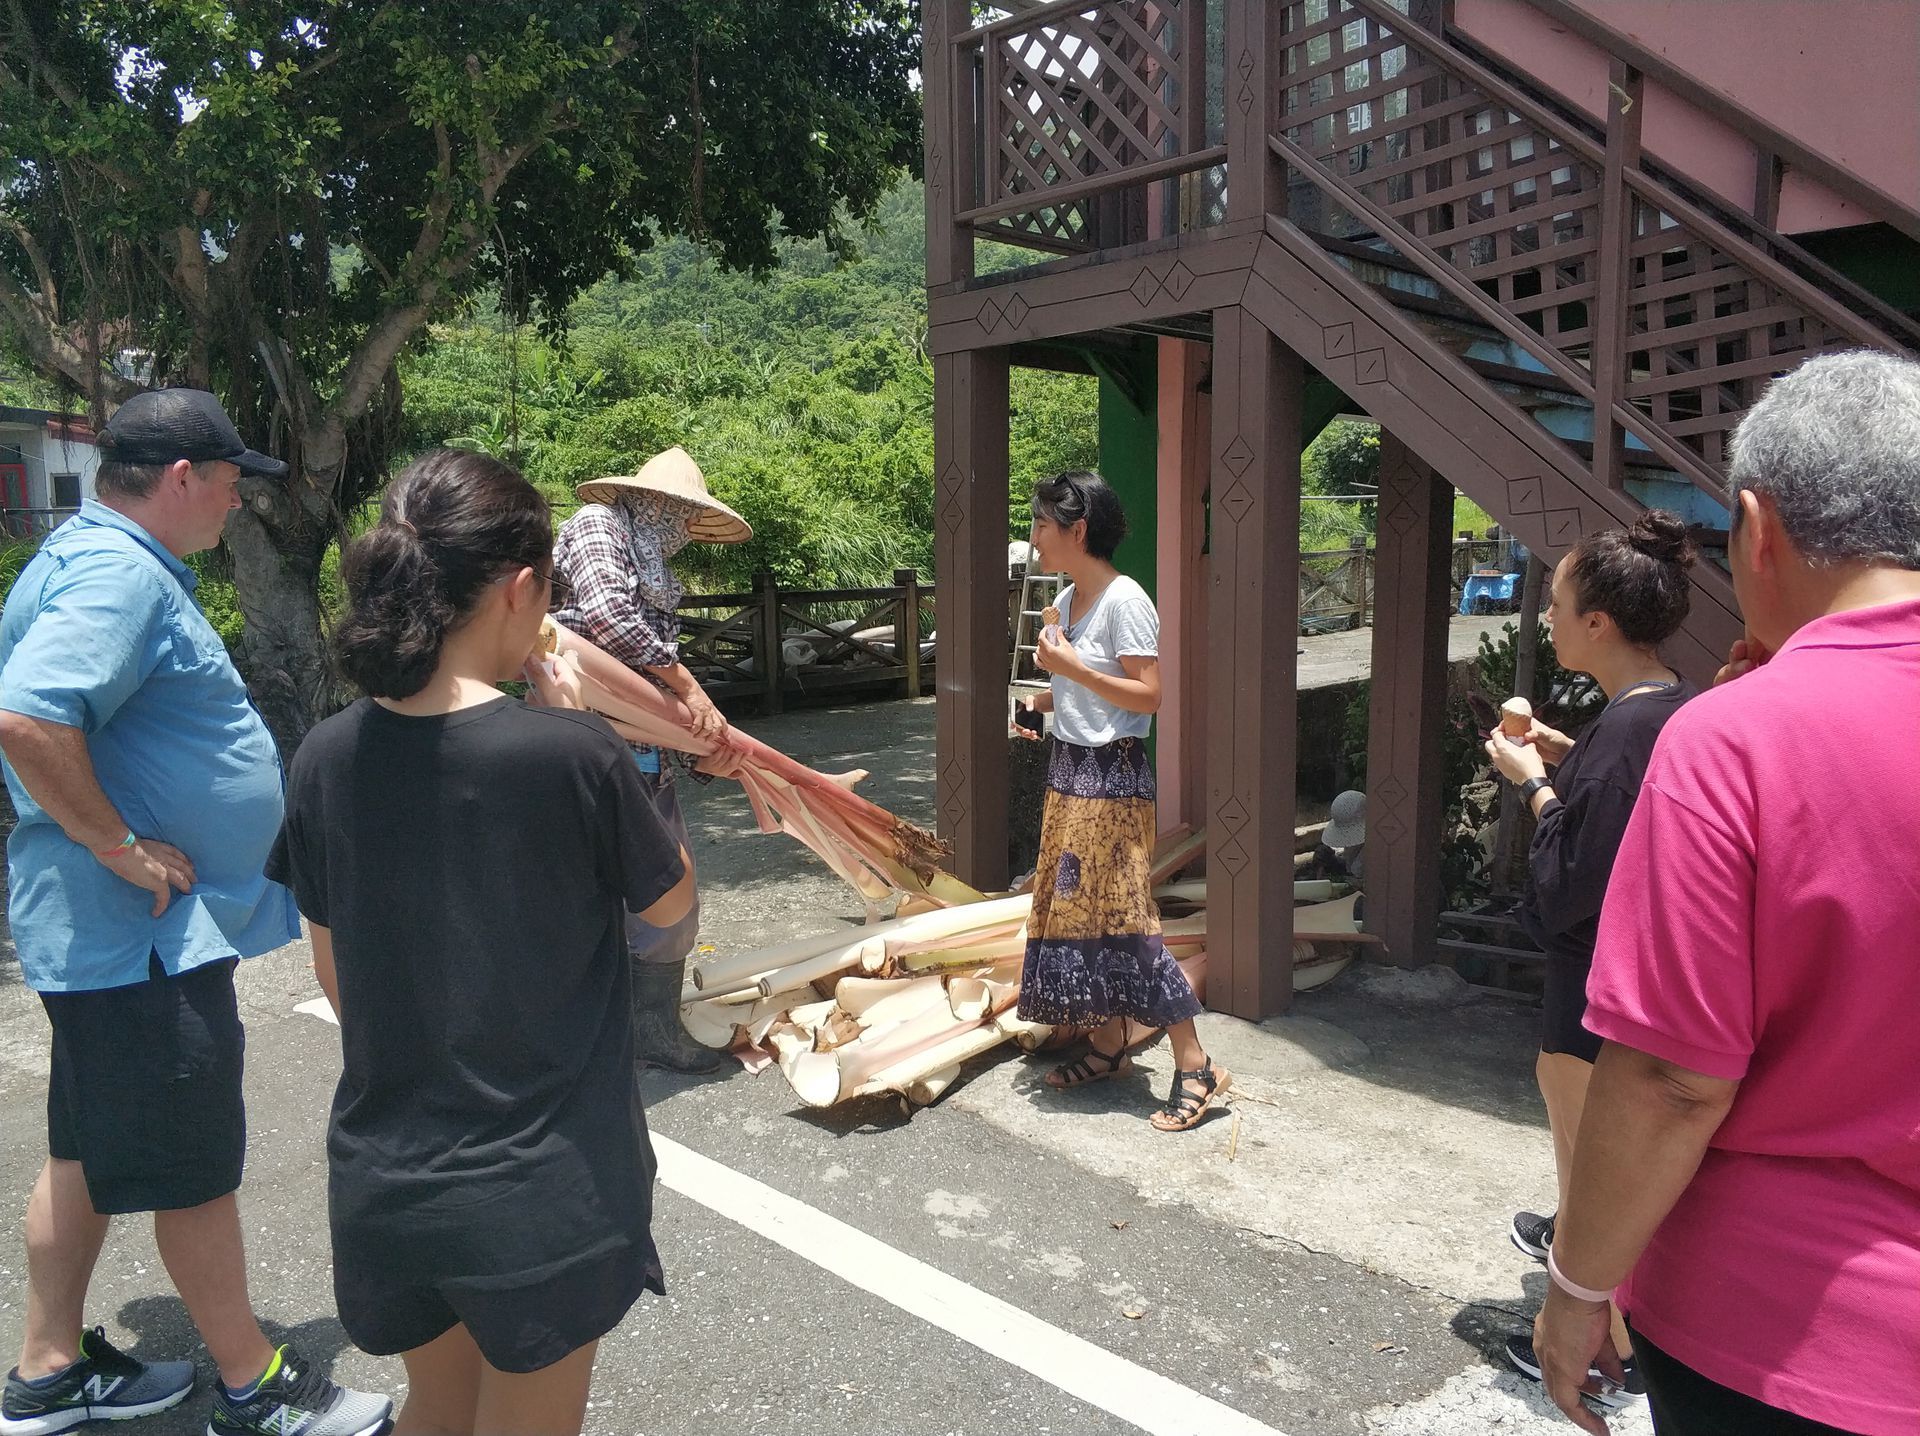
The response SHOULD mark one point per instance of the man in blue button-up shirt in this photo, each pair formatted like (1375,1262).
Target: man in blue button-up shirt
(149,793)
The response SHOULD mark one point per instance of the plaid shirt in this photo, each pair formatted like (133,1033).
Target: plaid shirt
(604,608)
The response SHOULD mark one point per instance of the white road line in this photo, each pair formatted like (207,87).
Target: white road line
(1088,1373)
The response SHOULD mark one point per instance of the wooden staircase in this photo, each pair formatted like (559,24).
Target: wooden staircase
(1462,251)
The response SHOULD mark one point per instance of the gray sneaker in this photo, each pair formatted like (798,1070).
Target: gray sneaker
(105,1384)
(296,1400)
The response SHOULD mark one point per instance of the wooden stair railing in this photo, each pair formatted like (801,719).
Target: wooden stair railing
(1664,318)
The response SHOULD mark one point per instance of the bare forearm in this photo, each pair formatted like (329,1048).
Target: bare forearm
(55,767)
(1646,1128)
(677,677)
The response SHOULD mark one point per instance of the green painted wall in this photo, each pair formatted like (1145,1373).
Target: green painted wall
(1129,460)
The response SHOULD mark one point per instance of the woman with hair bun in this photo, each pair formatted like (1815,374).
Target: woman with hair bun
(1616,598)
(466,863)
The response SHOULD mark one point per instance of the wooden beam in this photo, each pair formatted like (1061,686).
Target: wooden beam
(1095,294)
(1406,715)
(970,405)
(1253,618)
(1626,93)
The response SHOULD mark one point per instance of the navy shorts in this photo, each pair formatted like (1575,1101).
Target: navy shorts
(144,1091)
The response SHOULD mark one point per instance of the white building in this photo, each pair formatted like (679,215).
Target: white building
(47,464)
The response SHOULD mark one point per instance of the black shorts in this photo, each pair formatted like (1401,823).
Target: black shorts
(1685,1403)
(522,1322)
(144,1091)
(1563,1009)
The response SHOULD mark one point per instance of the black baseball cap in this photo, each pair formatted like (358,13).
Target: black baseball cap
(161,426)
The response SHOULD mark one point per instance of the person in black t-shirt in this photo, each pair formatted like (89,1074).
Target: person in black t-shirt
(1616,598)
(466,862)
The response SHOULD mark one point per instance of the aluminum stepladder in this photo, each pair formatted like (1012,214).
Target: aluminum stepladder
(1037,590)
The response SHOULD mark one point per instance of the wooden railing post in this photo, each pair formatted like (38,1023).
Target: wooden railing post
(1359,567)
(1256,180)
(906,632)
(1625,96)
(950,156)
(772,661)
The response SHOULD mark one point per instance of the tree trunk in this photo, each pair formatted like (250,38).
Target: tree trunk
(277,539)
(283,651)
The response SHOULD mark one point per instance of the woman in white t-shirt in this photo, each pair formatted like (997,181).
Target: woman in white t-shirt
(1094,952)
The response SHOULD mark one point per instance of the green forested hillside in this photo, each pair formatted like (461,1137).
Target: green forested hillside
(807,399)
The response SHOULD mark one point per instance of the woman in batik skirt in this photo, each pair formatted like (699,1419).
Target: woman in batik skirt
(1094,953)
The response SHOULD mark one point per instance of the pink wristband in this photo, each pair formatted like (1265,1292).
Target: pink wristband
(1573,1288)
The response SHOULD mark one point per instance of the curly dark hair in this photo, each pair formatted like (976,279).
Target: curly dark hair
(1637,576)
(452,523)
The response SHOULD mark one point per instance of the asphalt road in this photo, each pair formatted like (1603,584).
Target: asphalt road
(1339,1268)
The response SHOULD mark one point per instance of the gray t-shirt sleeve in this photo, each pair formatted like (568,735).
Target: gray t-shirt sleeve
(1136,628)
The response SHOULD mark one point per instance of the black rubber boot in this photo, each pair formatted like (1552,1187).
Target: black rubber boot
(658,1038)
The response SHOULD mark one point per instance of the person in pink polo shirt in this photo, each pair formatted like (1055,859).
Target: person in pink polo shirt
(1747,1173)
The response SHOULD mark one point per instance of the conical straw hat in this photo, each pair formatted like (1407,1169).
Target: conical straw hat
(675,474)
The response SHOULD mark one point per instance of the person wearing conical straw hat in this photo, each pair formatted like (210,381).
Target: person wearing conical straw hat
(613,585)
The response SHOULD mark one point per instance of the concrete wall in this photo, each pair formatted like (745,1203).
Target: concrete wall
(44,455)
(1840,76)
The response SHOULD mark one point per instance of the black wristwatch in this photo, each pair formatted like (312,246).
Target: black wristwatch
(1532,786)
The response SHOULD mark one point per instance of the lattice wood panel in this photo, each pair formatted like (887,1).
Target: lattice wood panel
(1426,157)
(1080,97)
(1502,202)
(1705,334)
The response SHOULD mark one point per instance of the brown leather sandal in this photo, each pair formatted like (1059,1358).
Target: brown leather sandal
(1081,1070)
(1185,1108)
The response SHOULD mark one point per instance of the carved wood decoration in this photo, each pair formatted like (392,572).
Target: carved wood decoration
(1165,283)
(1258,388)
(1405,797)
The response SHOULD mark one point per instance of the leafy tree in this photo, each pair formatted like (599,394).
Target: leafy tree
(274,200)
(1344,459)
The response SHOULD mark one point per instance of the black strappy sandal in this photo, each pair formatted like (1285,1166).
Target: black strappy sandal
(1184,1109)
(1081,1070)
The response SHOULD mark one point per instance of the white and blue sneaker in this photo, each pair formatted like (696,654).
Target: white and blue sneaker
(295,1399)
(105,1384)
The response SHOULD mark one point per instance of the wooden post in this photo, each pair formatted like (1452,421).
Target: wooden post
(970,403)
(1405,801)
(906,632)
(949,161)
(1613,270)
(1180,534)
(1359,566)
(772,660)
(1253,616)
(1256,185)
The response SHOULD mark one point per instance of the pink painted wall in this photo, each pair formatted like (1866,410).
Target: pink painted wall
(1840,76)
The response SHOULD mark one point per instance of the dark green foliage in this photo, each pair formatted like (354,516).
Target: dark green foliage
(273,200)
(806,397)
